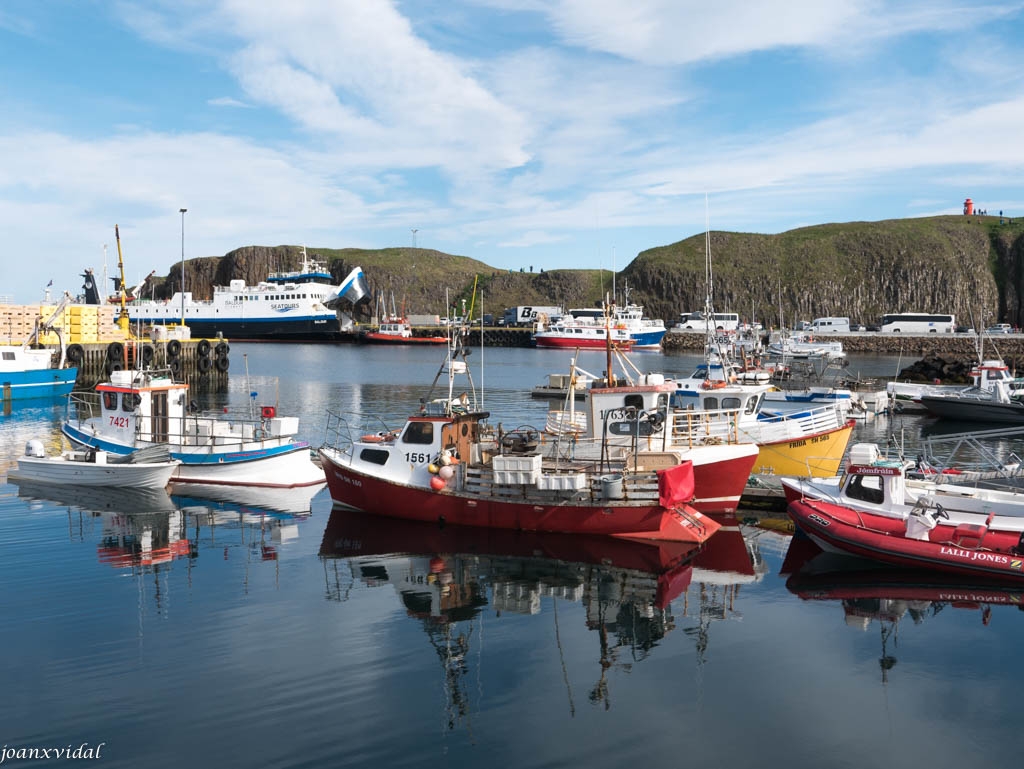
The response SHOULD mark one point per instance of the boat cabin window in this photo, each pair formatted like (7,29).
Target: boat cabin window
(633,401)
(109,400)
(130,401)
(866,488)
(8,356)
(731,403)
(754,403)
(376,456)
(419,432)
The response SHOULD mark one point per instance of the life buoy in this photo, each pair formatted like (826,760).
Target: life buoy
(222,363)
(379,437)
(709,385)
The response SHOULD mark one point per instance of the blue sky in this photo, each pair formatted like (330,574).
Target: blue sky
(567,133)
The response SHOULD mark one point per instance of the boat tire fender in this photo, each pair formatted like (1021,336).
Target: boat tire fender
(204,364)
(114,365)
(222,349)
(148,353)
(222,363)
(174,348)
(115,351)
(75,353)
(174,364)
(203,348)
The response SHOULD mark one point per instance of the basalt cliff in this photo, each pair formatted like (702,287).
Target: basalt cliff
(972,266)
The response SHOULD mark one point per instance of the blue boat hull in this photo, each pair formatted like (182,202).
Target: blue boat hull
(647,338)
(42,383)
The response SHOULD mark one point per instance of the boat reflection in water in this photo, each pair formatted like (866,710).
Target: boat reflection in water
(142,529)
(446,576)
(871,592)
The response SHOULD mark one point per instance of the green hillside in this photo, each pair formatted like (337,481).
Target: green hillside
(971,266)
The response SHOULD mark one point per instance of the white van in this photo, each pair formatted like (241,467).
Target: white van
(830,325)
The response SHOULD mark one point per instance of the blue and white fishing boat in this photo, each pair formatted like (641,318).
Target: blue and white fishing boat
(27,373)
(136,409)
(30,372)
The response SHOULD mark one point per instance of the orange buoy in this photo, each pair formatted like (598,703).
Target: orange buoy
(437,482)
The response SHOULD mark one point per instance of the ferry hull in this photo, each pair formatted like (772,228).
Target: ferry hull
(327,329)
(41,383)
(818,455)
(359,491)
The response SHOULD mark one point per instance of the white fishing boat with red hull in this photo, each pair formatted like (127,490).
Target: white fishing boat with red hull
(447,464)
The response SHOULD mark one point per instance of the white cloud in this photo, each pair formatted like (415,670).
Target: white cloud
(227,101)
(324,64)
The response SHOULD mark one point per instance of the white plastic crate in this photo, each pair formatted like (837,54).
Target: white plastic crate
(562,481)
(527,463)
(516,477)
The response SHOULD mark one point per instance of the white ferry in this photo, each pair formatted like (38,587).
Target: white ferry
(288,306)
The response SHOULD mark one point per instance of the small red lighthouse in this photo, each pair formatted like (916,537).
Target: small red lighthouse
(968,207)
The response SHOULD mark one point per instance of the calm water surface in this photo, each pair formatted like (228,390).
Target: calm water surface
(190,630)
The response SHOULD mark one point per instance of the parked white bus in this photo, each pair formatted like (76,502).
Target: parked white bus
(918,323)
(694,321)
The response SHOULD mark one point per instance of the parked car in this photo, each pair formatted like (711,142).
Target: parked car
(999,328)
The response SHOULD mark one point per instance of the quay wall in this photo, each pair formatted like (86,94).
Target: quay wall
(914,345)
(200,363)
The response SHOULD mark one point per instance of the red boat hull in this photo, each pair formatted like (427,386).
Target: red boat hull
(881,538)
(363,492)
(570,343)
(376,338)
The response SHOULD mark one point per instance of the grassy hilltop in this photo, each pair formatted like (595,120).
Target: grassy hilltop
(971,266)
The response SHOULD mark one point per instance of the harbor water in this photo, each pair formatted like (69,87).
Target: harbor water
(266,630)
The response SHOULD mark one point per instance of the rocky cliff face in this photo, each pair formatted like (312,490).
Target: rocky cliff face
(972,267)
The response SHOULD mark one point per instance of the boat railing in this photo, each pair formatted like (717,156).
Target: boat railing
(699,427)
(83,404)
(344,428)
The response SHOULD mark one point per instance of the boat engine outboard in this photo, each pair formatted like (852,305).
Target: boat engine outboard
(34,448)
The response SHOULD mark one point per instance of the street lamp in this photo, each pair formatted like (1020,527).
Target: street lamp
(413,231)
(182,211)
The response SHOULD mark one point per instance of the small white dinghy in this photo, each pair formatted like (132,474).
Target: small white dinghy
(149,468)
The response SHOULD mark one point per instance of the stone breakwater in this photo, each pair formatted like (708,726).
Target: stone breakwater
(953,346)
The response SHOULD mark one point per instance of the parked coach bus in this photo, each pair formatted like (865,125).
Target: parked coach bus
(918,323)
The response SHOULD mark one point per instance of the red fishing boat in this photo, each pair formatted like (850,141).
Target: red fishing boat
(448,464)
(398,331)
(991,547)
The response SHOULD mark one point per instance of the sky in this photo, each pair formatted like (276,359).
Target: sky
(557,134)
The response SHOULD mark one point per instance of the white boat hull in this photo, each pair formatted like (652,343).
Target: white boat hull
(61,470)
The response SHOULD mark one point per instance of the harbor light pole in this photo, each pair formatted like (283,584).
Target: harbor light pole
(182,211)
(413,231)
